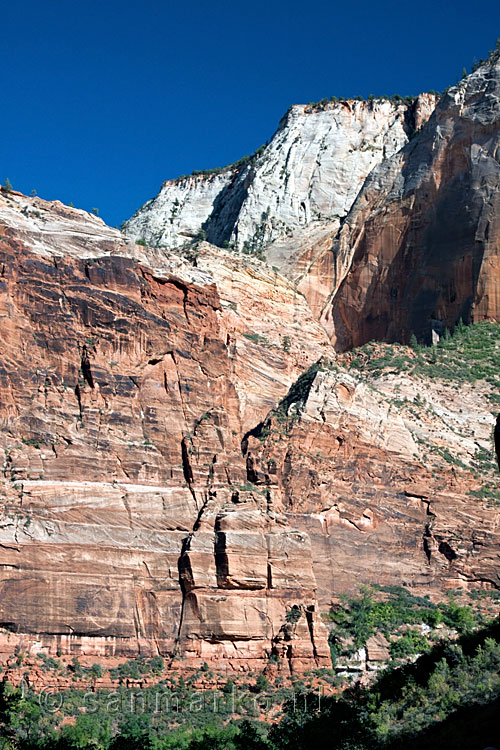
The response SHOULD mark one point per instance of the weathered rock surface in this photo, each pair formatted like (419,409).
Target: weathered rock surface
(361,467)
(179,210)
(384,236)
(310,173)
(127,520)
(420,247)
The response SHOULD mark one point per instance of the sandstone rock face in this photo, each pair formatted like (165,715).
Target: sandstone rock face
(315,165)
(358,465)
(188,468)
(127,521)
(179,210)
(310,173)
(420,247)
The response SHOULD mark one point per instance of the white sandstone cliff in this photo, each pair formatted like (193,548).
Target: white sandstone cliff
(308,175)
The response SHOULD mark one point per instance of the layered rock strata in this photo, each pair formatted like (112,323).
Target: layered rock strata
(127,523)
(379,479)
(188,470)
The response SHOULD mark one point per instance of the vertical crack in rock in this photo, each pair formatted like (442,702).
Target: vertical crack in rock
(497,439)
(78,395)
(269,575)
(180,388)
(309,613)
(85,367)
(122,467)
(426,541)
(184,566)
(187,469)
(221,560)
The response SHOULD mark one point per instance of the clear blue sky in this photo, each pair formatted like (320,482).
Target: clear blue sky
(103,100)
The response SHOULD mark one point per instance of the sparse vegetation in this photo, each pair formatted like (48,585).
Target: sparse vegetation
(322,104)
(243,162)
(386,609)
(433,698)
(468,354)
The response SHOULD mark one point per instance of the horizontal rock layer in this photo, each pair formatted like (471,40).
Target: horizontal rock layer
(188,468)
(127,520)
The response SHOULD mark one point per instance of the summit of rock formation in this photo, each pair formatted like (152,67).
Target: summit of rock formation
(309,174)
(420,247)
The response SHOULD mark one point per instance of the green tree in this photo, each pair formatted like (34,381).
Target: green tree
(261,683)
(249,737)
(96,670)
(7,186)
(88,731)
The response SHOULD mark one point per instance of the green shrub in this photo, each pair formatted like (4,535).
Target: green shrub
(411,642)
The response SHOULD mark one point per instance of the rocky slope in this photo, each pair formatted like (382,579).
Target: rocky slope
(310,173)
(180,473)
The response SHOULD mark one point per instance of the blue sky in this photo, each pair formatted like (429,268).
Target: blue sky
(103,100)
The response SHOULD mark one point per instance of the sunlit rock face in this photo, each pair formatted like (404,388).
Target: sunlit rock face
(313,168)
(379,472)
(189,467)
(177,213)
(126,389)
(310,173)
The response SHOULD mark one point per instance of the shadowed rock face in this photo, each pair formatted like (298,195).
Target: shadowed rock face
(420,247)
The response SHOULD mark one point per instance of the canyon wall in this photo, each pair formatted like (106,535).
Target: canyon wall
(189,466)
(185,463)
(420,247)
(127,521)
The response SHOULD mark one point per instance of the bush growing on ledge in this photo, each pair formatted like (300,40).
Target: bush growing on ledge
(411,642)
(229,167)
(293,615)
